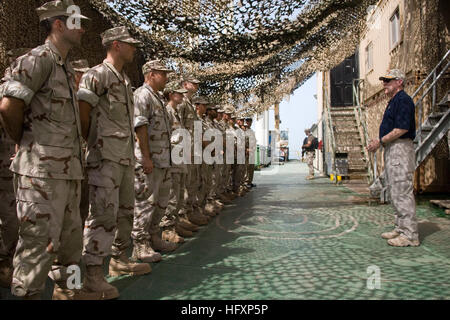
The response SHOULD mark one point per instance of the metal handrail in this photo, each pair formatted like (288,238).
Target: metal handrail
(330,127)
(430,75)
(419,103)
(361,122)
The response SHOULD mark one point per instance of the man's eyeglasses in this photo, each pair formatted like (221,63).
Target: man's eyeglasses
(388,80)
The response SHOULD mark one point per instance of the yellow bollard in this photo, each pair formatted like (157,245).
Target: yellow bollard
(339,178)
(331,177)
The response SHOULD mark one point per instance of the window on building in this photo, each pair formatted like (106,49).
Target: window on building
(394,27)
(369,57)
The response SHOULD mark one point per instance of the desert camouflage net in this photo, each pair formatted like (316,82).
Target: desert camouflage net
(250,54)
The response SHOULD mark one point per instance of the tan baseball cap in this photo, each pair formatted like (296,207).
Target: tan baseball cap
(174,86)
(200,100)
(229,109)
(119,34)
(154,65)
(80,65)
(396,74)
(191,78)
(58,8)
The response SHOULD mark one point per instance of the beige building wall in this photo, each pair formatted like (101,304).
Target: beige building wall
(423,41)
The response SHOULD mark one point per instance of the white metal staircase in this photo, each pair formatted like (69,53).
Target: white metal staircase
(437,124)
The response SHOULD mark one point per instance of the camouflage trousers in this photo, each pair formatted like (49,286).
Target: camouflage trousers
(9,225)
(176,198)
(220,179)
(111,198)
(399,173)
(84,202)
(228,176)
(249,173)
(50,232)
(310,156)
(192,186)
(206,184)
(238,176)
(152,198)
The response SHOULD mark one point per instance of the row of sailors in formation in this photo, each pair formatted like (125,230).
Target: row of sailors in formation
(120,183)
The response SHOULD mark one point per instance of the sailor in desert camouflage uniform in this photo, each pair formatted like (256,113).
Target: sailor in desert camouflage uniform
(9,225)
(191,215)
(40,113)
(171,221)
(81,67)
(152,180)
(106,106)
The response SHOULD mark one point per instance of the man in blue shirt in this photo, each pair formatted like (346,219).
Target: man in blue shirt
(396,135)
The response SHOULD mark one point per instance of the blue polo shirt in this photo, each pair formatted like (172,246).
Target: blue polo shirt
(399,114)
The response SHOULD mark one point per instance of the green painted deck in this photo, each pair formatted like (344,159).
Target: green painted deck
(290,238)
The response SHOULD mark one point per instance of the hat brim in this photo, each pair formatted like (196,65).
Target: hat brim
(163,69)
(132,41)
(77,15)
(81,69)
(180,91)
(386,78)
(193,81)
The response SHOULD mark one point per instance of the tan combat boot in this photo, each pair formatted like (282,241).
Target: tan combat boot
(143,251)
(390,235)
(122,265)
(231,195)
(161,245)
(210,210)
(218,204)
(198,218)
(403,241)
(6,272)
(183,232)
(224,199)
(61,292)
(170,234)
(95,282)
(187,225)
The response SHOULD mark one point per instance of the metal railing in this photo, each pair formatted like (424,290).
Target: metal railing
(361,121)
(327,108)
(432,87)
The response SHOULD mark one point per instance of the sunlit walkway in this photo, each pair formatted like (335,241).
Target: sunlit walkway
(291,238)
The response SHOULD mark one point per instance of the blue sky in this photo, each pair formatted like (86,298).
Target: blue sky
(297,114)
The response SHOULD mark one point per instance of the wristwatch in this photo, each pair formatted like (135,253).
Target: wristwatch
(382,143)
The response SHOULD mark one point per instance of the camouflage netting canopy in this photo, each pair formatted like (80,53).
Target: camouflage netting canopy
(249,53)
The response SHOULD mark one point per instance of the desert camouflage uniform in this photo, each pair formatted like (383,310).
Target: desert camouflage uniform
(230,167)
(206,193)
(239,168)
(110,162)
(178,174)
(250,168)
(152,193)
(220,173)
(399,172)
(310,156)
(188,116)
(9,225)
(48,169)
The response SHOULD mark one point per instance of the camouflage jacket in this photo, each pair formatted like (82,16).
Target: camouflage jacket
(7,146)
(150,111)
(111,134)
(176,138)
(188,115)
(50,144)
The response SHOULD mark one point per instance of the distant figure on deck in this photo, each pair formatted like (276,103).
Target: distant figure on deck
(309,148)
